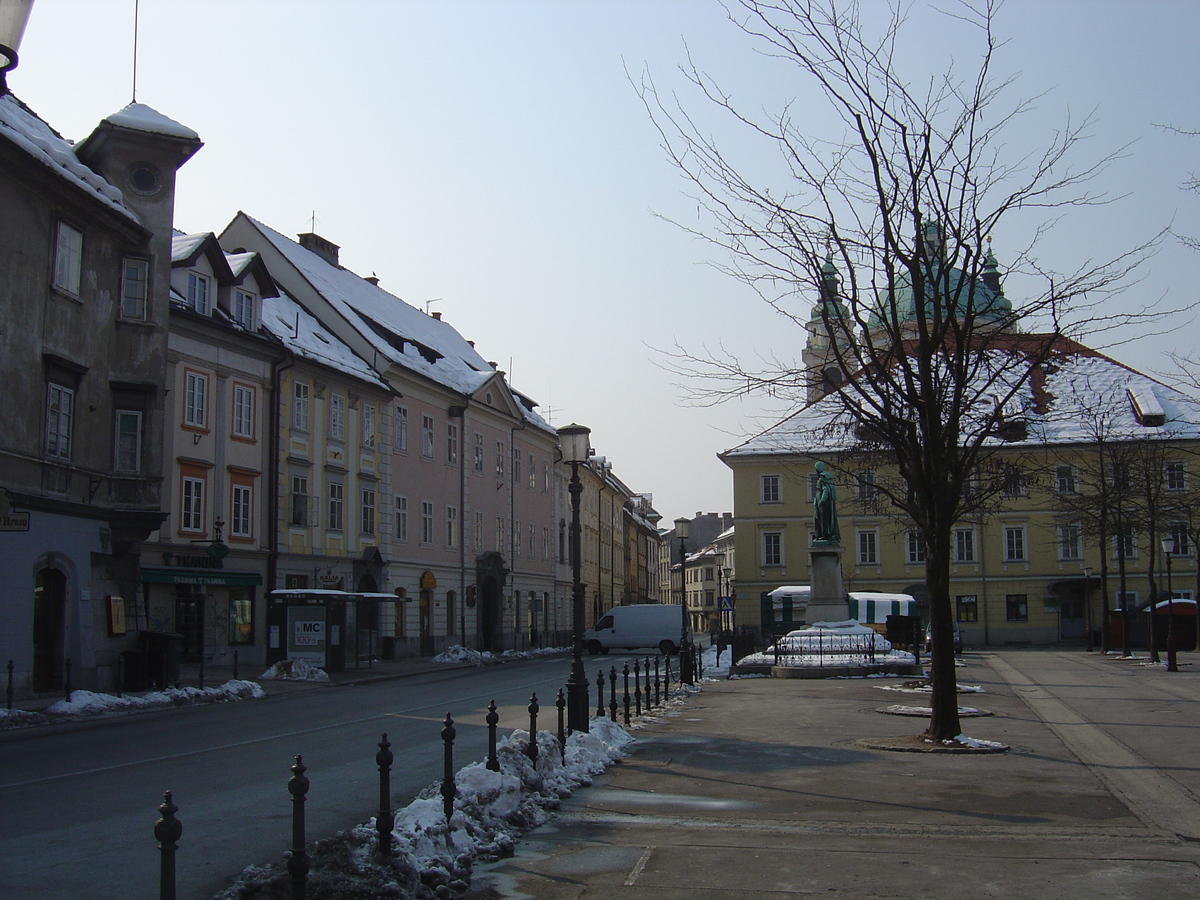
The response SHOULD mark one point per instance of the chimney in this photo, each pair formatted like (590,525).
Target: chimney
(327,250)
(437,315)
(372,279)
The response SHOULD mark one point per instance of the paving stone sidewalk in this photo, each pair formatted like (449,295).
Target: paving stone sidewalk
(760,788)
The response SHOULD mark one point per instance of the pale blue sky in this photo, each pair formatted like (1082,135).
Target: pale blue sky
(493,155)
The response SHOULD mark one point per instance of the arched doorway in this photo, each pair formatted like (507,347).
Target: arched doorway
(490,575)
(49,618)
(425,608)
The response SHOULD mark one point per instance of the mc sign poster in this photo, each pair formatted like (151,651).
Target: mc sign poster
(306,634)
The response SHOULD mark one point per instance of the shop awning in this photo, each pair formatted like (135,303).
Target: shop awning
(199,576)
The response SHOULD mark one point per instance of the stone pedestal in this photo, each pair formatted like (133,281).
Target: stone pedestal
(827,602)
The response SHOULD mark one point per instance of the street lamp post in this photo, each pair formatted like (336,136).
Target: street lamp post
(685,644)
(1087,606)
(14,16)
(1169,546)
(575,449)
(728,624)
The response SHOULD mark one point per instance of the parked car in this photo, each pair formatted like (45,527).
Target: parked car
(640,625)
(958,645)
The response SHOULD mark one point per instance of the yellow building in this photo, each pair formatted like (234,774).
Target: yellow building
(1097,470)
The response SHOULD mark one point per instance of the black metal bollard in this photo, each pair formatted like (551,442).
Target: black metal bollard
(600,693)
(67,678)
(561,703)
(297,864)
(492,719)
(637,686)
(10,684)
(531,749)
(657,696)
(448,789)
(612,695)
(668,677)
(385,818)
(626,693)
(167,830)
(235,665)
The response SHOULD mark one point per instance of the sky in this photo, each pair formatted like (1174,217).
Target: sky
(491,160)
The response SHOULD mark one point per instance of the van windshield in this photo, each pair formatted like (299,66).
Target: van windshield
(606,622)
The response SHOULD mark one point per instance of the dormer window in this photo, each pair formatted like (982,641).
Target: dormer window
(1146,408)
(243,309)
(197,292)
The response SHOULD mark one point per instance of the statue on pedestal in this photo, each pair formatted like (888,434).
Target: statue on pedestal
(825,508)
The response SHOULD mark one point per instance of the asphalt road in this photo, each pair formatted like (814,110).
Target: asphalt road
(78,802)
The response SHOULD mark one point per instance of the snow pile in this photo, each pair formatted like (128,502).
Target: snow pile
(925,687)
(709,665)
(830,644)
(294,670)
(432,857)
(461,654)
(89,704)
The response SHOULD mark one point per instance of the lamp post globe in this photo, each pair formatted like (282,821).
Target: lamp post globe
(575,446)
(1169,549)
(685,642)
(14,16)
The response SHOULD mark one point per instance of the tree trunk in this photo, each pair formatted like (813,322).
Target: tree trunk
(943,720)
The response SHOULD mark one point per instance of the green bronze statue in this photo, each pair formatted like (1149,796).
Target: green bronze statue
(825,508)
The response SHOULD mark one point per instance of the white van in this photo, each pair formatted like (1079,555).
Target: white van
(641,625)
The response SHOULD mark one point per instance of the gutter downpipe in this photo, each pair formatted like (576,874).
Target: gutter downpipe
(277,369)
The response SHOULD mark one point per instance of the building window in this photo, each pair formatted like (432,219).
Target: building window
(964,545)
(299,500)
(479,531)
(1179,532)
(68,259)
(1119,476)
(866,486)
(451,527)
(1070,541)
(966,608)
(243,411)
(451,444)
(367,416)
(135,277)
(368,511)
(191,507)
(335,521)
(243,309)
(337,417)
(426,522)
(1012,482)
(300,400)
(1066,480)
(241,506)
(772,548)
(197,292)
(532,473)
(500,533)
(127,441)
(402,519)
(814,480)
(401,429)
(916,547)
(1014,543)
(516,550)
(532,542)
(769,489)
(516,465)
(1175,475)
(545,478)
(868,547)
(427,437)
(1124,542)
(545,543)
(1016,607)
(499,460)
(60,414)
(195,400)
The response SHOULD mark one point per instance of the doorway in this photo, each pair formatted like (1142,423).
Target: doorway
(49,618)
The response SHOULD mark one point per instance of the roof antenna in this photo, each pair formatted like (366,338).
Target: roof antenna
(136,4)
(313,223)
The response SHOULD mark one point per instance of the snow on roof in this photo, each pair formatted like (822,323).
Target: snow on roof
(140,117)
(1081,392)
(21,126)
(790,590)
(184,245)
(399,332)
(239,261)
(302,334)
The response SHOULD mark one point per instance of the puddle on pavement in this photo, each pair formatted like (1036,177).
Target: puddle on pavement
(647,798)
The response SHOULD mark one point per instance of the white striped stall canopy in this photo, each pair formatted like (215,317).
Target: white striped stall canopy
(873,608)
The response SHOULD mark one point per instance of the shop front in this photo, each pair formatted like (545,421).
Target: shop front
(329,629)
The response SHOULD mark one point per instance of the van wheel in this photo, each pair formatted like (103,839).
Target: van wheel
(594,648)
(666,648)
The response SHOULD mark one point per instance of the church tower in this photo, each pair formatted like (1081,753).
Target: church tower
(829,337)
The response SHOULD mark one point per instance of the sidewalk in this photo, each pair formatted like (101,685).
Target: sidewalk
(757,787)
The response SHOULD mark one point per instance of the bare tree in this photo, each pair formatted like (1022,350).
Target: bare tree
(888,224)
